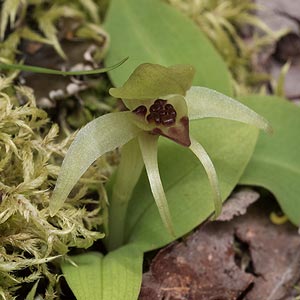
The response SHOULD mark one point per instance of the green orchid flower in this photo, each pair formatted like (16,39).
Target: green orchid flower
(160,102)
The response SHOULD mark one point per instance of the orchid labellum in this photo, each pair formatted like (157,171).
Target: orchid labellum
(160,102)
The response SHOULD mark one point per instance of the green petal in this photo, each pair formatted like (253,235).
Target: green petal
(151,81)
(210,170)
(148,144)
(96,138)
(206,103)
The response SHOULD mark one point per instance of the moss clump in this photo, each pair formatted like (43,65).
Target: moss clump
(229,25)
(29,159)
(48,22)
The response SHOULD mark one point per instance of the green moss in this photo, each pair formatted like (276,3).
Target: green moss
(222,21)
(29,159)
(47,22)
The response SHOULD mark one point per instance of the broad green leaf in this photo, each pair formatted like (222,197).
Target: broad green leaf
(229,145)
(150,31)
(116,276)
(85,279)
(122,273)
(275,164)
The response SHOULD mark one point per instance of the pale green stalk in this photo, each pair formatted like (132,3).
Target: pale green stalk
(128,173)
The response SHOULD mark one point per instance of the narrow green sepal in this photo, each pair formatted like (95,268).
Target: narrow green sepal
(98,137)
(148,145)
(206,103)
(210,170)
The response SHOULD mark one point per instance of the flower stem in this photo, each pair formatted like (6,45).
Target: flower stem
(127,176)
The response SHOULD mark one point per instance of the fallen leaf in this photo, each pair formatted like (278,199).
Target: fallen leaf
(201,268)
(283,15)
(248,258)
(237,204)
(274,250)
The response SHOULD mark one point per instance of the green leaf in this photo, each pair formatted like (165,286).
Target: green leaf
(85,279)
(58,72)
(275,164)
(116,276)
(150,31)
(185,182)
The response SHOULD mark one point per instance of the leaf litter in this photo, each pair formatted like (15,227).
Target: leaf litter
(283,15)
(247,257)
